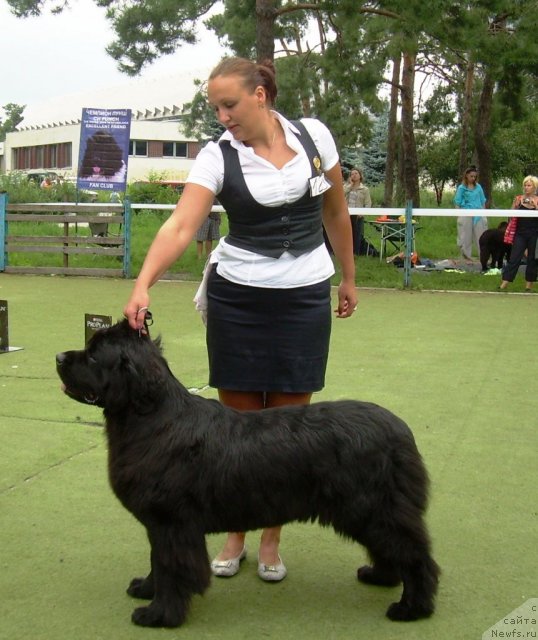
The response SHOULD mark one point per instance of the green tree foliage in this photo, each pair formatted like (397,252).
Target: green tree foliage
(315,80)
(148,30)
(515,148)
(199,118)
(438,136)
(375,154)
(438,161)
(333,56)
(13,116)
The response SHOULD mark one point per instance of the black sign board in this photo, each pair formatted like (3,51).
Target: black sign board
(94,322)
(4,330)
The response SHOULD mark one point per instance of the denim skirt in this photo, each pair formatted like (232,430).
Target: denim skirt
(261,339)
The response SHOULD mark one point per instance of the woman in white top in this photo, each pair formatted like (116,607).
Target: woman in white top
(268,284)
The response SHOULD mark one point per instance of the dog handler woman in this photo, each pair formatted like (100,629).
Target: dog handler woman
(268,282)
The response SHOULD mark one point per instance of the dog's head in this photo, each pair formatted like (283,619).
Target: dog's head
(119,369)
(102,155)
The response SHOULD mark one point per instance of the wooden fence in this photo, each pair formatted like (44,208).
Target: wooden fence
(74,237)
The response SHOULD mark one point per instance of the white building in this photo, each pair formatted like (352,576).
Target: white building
(48,138)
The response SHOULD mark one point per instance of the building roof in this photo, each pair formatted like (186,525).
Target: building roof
(154,98)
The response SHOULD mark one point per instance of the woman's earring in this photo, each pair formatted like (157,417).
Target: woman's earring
(260,105)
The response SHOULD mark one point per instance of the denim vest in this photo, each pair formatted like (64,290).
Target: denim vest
(270,231)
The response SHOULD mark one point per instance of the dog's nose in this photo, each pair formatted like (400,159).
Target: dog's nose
(60,357)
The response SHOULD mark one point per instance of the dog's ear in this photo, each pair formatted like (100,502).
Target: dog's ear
(139,378)
(146,381)
(116,396)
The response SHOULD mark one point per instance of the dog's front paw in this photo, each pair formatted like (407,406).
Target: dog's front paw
(402,612)
(141,588)
(155,616)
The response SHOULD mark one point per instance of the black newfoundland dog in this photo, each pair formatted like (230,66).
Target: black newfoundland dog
(492,245)
(185,466)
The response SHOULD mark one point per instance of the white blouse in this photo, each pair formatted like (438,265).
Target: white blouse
(270,187)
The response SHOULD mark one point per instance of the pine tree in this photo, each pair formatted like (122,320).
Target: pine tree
(375,154)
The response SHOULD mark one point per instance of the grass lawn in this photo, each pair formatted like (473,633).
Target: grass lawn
(455,366)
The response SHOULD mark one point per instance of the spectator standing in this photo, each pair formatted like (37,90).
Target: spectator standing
(522,234)
(470,195)
(357,196)
(207,234)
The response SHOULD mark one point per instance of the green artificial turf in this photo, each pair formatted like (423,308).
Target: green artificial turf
(459,368)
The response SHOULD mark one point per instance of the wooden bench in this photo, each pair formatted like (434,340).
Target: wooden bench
(70,240)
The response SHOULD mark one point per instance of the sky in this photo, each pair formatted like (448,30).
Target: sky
(46,57)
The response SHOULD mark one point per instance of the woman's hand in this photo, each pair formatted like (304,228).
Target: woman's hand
(338,228)
(136,308)
(347,300)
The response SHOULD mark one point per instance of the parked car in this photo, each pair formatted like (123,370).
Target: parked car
(39,176)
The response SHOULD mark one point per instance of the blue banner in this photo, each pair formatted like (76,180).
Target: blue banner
(104,149)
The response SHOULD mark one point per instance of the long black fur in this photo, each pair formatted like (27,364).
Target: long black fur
(186,466)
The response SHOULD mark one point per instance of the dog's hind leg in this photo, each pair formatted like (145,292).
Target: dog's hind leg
(403,555)
(420,579)
(393,530)
(409,563)
(179,569)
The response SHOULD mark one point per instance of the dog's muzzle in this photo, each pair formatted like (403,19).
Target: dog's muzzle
(81,397)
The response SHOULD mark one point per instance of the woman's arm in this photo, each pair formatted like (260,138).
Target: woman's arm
(169,244)
(483,198)
(368,198)
(458,198)
(338,226)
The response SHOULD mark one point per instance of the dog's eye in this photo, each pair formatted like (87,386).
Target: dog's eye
(92,360)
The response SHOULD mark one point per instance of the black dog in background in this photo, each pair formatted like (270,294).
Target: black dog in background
(186,466)
(102,156)
(492,245)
